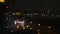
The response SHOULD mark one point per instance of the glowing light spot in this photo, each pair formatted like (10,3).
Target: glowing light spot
(23,28)
(31,22)
(38,32)
(13,14)
(17,26)
(38,29)
(15,22)
(6,6)
(49,27)
(27,26)
(19,22)
(11,31)
(38,24)
(30,28)
(2,0)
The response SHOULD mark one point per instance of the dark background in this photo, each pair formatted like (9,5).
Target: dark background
(33,4)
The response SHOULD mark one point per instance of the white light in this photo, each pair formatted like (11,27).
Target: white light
(38,24)
(49,27)
(20,22)
(15,22)
(17,26)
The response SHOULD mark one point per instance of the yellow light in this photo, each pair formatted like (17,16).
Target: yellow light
(27,26)
(18,13)
(1,0)
(17,26)
(38,32)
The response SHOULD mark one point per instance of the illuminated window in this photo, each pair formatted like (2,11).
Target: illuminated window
(1,0)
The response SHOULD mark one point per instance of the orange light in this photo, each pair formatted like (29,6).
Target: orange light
(1,0)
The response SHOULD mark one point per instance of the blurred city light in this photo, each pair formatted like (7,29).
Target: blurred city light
(7,18)
(27,26)
(19,22)
(36,13)
(16,13)
(49,27)
(6,6)
(13,14)
(38,29)
(11,31)
(24,28)
(2,0)
(38,24)
(38,32)
(31,22)
(43,14)
(30,28)
(18,26)
(7,26)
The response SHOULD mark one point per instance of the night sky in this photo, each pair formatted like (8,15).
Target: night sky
(34,4)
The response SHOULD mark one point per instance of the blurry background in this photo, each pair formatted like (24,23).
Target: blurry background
(41,16)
